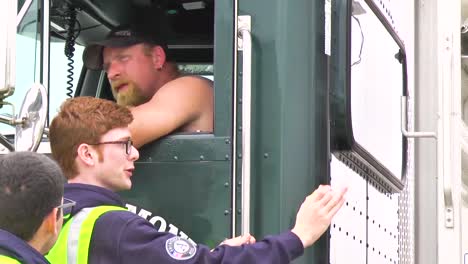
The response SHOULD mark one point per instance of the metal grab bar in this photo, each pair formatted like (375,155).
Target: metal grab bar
(404,130)
(244,34)
(447,184)
(234,127)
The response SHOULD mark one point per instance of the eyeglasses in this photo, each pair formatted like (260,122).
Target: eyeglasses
(128,144)
(67,203)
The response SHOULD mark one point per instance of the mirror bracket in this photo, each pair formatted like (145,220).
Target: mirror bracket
(29,122)
(10,119)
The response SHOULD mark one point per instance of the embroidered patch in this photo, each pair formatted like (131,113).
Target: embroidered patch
(180,248)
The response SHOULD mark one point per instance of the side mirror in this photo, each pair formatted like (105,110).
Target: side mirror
(29,122)
(32,116)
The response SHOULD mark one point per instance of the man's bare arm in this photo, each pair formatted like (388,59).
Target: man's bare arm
(183,102)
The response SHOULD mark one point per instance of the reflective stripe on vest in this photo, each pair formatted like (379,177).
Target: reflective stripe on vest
(72,246)
(8,260)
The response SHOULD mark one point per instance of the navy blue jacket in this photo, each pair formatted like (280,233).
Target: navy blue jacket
(13,246)
(124,237)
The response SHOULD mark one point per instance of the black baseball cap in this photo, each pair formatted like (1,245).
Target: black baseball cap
(122,36)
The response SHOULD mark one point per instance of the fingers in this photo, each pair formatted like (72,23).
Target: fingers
(335,209)
(235,241)
(249,239)
(335,201)
(240,240)
(319,192)
(326,198)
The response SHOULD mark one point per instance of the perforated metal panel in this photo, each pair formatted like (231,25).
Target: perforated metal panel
(382,226)
(406,223)
(348,230)
(373,226)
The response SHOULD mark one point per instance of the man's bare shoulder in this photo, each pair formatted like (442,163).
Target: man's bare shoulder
(185,88)
(197,78)
(190,82)
(183,104)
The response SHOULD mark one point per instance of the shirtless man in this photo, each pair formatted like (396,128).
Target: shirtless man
(144,78)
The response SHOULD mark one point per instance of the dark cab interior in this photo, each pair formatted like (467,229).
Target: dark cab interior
(188,25)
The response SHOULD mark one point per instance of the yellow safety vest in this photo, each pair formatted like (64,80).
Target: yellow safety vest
(8,260)
(73,243)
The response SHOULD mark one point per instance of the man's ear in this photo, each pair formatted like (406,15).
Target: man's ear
(48,231)
(86,154)
(158,57)
(53,223)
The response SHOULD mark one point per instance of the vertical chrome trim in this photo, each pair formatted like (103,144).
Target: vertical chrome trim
(45,49)
(244,33)
(7,88)
(45,41)
(234,129)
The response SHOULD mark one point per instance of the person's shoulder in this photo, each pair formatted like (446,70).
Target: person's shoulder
(197,78)
(190,82)
(122,214)
(185,87)
(117,217)
(116,220)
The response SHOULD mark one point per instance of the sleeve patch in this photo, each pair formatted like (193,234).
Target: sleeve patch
(180,248)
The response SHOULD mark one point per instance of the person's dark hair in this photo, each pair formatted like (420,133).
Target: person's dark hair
(31,186)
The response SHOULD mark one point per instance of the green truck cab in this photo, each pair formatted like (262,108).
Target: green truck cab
(281,75)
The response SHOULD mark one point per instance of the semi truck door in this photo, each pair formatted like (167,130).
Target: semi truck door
(182,183)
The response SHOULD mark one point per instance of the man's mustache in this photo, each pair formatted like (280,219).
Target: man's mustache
(118,83)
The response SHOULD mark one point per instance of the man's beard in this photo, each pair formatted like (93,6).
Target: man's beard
(131,96)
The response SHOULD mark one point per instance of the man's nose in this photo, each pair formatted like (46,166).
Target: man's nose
(134,155)
(113,71)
